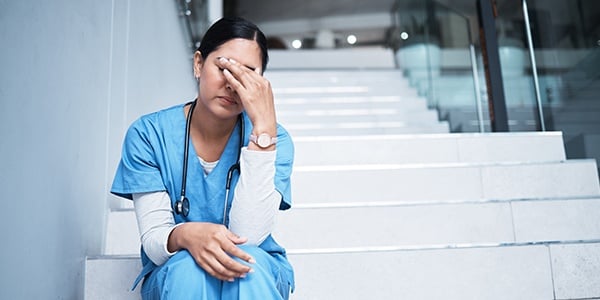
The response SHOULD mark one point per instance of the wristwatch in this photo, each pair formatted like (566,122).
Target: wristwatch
(263,140)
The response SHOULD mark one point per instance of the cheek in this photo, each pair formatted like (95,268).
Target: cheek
(213,79)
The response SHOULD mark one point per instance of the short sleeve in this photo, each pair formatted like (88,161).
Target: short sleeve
(283,167)
(138,171)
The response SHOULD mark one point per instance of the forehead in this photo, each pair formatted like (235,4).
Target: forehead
(244,51)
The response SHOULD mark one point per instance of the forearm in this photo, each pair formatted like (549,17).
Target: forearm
(256,202)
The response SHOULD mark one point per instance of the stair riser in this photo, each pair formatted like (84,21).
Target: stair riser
(111,279)
(529,181)
(329,120)
(526,272)
(428,149)
(299,105)
(439,224)
(523,222)
(366,129)
(487,273)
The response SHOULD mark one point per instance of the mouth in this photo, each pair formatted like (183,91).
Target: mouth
(229,100)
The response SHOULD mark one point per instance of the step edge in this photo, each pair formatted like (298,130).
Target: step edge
(367,204)
(399,248)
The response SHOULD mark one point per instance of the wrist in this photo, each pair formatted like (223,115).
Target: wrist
(175,240)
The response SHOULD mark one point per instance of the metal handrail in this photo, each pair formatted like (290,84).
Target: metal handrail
(536,82)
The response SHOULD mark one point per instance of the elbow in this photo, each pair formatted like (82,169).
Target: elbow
(154,248)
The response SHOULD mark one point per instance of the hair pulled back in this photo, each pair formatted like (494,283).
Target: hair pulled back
(229,28)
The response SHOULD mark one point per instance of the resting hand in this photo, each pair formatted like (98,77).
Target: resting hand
(254,92)
(212,246)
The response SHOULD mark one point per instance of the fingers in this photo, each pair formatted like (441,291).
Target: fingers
(254,91)
(215,249)
(238,75)
(220,265)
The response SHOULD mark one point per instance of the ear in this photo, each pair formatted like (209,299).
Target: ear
(198,63)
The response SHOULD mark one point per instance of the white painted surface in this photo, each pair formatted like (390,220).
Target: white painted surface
(488,273)
(74,75)
(112,278)
(444,182)
(122,234)
(429,149)
(575,271)
(332,58)
(560,220)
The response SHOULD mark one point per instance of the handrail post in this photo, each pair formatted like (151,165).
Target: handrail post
(491,63)
(536,82)
(476,87)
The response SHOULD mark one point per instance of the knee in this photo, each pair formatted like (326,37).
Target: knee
(181,270)
(260,256)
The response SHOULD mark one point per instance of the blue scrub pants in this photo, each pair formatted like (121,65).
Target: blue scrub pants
(181,278)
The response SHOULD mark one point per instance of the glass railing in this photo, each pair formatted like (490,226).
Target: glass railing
(558,43)
(434,48)
(550,61)
(194,14)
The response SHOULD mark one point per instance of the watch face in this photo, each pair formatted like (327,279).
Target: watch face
(264,140)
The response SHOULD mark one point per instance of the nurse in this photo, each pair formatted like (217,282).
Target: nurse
(221,248)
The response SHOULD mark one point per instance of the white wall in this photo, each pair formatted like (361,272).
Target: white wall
(73,75)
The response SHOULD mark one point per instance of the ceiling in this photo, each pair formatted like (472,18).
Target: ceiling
(269,14)
(273,10)
(304,18)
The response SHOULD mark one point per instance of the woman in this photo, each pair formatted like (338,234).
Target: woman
(208,243)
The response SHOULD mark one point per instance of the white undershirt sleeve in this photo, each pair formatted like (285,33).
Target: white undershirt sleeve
(155,223)
(255,202)
(252,215)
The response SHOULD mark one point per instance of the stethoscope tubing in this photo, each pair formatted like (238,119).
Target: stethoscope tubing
(182,206)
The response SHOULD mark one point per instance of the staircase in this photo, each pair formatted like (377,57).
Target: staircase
(389,205)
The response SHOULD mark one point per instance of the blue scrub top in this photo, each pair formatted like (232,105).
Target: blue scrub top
(152,161)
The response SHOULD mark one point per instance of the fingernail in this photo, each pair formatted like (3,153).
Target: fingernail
(232,61)
(231,279)
(222,59)
(251,271)
(251,260)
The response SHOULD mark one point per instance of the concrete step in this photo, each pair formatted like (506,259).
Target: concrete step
(444,182)
(111,277)
(337,105)
(429,148)
(562,271)
(388,225)
(281,78)
(365,128)
(314,90)
(511,271)
(345,115)
(340,58)
(447,224)
(349,101)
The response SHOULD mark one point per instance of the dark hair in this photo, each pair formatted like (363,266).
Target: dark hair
(229,28)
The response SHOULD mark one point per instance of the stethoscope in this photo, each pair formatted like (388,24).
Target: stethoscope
(182,206)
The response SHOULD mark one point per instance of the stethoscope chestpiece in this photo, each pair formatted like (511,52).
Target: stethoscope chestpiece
(182,207)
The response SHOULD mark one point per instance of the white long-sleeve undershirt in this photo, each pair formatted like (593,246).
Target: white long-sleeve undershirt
(253,211)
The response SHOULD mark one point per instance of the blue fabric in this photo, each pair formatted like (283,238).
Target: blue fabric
(152,161)
(181,278)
